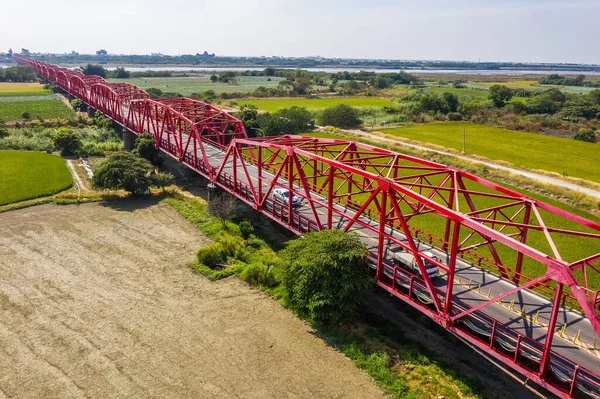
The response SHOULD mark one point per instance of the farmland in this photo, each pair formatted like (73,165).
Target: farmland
(195,84)
(275,104)
(16,98)
(21,89)
(45,106)
(528,150)
(27,175)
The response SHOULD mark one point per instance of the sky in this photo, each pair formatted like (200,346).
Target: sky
(486,30)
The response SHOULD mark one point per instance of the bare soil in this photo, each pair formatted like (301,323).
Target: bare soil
(98,301)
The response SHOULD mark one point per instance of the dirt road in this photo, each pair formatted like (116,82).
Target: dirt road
(98,302)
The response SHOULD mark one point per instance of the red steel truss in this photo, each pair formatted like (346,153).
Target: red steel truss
(484,236)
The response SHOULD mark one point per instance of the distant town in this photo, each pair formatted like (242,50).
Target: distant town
(103,56)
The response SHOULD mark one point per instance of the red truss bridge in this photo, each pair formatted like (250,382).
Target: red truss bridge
(518,278)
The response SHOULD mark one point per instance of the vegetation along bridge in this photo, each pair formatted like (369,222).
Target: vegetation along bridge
(519,278)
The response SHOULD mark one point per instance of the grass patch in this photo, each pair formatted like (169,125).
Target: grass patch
(27,175)
(527,150)
(195,84)
(45,107)
(274,104)
(21,89)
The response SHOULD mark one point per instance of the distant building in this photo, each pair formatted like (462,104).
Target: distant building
(25,51)
(101,52)
(74,52)
(205,55)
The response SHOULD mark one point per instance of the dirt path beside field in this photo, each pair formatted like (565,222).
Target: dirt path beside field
(97,301)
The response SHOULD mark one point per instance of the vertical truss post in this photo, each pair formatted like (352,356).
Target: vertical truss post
(235,181)
(526,217)
(260,168)
(550,333)
(452,267)
(448,221)
(382,224)
(330,199)
(290,177)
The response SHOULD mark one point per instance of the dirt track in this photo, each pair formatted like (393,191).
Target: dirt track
(98,302)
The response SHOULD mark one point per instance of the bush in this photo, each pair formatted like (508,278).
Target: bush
(67,141)
(246,229)
(145,147)
(325,275)
(340,115)
(587,135)
(212,255)
(26,116)
(124,171)
(259,274)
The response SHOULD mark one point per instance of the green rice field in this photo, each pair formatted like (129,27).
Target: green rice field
(40,106)
(274,104)
(194,84)
(527,150)
(27,175)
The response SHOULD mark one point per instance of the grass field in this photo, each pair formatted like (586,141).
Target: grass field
(39,106)
(195,84)
(527,150)
(21,89)
(274,104)
(26,175)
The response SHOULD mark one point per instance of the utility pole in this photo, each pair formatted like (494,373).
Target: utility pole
(464,150)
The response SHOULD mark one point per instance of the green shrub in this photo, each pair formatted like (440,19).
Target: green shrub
(212,255)
(260,274)
(325,275)
(340,115)
(585,135)
(246,229)
(123,171)
(67,141)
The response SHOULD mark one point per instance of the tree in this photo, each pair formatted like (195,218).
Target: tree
(153,92)
(145,147)
(3,129)
(121,73)
(213,78)
(78,105)
(340,115)
(587,135)
(248,115)
(299,119)
(67,141)
(222,206)
(91,69)
(325,274)
(302,85)
(125,171)
(26,116)
(269,71)
(500,95)
(163,180)
(451,100)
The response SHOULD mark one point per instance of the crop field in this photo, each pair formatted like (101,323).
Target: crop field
(195,84)
(274,104)
(27,175)
(21,89)
(572,248)
(528,150)
(39,106)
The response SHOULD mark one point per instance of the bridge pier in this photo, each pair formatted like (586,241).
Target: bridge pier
(128,140)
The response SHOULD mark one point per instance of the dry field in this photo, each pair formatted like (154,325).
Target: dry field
(98,302)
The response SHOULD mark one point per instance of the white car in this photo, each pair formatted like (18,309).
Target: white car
(283,195)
